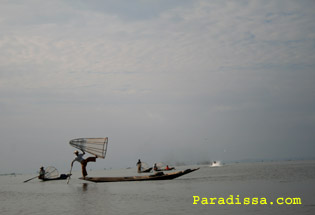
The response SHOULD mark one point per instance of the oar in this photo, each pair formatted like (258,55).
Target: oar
(30,179)
(69,175)
(35,177)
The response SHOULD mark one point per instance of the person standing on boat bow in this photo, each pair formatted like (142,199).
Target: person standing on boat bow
(139,165)
(79,158)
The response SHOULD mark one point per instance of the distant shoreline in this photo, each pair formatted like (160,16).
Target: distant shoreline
(253,160)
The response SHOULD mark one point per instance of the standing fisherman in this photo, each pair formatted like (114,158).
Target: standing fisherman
(79,158)
(139,165)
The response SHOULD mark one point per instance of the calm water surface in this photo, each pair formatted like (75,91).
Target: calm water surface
(262,180)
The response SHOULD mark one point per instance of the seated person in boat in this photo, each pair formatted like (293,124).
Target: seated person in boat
(169,168)
(79,158)
(156,168)
(41,173)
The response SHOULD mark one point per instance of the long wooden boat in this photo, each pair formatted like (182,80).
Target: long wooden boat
(156,176)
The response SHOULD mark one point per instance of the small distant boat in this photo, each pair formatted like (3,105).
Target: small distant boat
(156,176)
(61,177)
(165,169)
(215,163)
(158,167)
(146,170)
(51,174)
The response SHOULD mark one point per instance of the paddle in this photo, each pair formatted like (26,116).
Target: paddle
(69,176)
(30,179)
(33,178)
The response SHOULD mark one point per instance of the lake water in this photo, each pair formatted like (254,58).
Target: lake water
(269,180)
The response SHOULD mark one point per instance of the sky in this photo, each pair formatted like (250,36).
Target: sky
(165,81)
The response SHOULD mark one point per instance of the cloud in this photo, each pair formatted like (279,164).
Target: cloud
(130,11)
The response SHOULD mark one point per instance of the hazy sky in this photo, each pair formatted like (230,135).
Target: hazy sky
(180,80)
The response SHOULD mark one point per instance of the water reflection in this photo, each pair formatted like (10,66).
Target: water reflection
(84,186)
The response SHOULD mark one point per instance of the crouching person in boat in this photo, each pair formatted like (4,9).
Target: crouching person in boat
(42,173)
(79,158)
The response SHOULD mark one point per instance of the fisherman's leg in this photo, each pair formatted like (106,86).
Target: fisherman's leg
(90,159)
(84,173)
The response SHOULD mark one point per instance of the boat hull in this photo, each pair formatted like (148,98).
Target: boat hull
(146,170)
(157,176)
(62,177)
(161,170)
